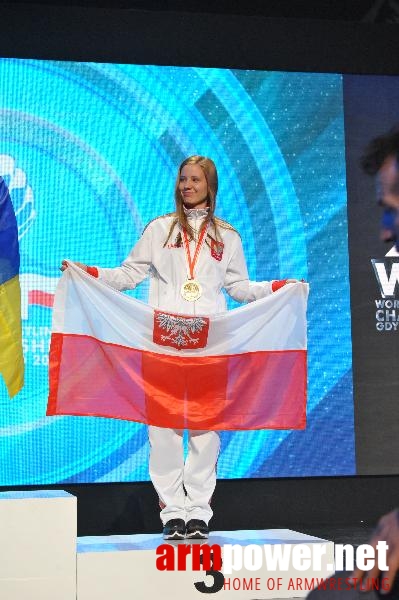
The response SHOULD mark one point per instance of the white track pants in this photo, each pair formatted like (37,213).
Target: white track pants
(169,473)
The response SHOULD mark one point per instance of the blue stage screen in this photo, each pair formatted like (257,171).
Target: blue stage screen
(90,153)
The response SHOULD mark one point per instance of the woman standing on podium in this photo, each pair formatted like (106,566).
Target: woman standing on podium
(190,256)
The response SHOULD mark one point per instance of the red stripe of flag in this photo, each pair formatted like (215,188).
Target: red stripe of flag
(252,390)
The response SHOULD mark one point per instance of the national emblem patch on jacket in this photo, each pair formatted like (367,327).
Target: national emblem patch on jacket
(217,249)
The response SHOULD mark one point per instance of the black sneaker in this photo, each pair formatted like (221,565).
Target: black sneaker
(197,530)
(175,529)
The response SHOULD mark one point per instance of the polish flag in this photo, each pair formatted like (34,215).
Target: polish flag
(114,356)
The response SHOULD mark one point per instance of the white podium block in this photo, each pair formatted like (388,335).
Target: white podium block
(122,567)
(38,545)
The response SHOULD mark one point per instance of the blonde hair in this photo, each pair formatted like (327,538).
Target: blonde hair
(209,169)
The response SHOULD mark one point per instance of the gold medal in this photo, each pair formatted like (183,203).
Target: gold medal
(191,290)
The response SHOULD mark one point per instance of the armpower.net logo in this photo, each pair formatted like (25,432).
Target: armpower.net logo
(299,567)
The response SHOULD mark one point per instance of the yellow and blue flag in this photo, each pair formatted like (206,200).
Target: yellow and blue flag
(11,355)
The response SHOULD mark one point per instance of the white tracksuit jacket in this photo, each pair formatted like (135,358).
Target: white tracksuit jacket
(167,269)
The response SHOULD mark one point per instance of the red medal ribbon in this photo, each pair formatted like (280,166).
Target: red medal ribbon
(192,262)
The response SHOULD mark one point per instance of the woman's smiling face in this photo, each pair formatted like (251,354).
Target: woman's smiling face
(193,186)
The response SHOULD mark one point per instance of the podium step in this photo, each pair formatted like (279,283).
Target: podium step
(124,566)
(38,545)
(41,558)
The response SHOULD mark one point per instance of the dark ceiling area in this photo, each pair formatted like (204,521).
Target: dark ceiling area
(367,11)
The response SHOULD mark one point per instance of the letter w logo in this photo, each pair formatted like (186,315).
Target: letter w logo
(386,282)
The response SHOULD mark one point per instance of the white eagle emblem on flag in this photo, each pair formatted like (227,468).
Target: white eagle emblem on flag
(179,331)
